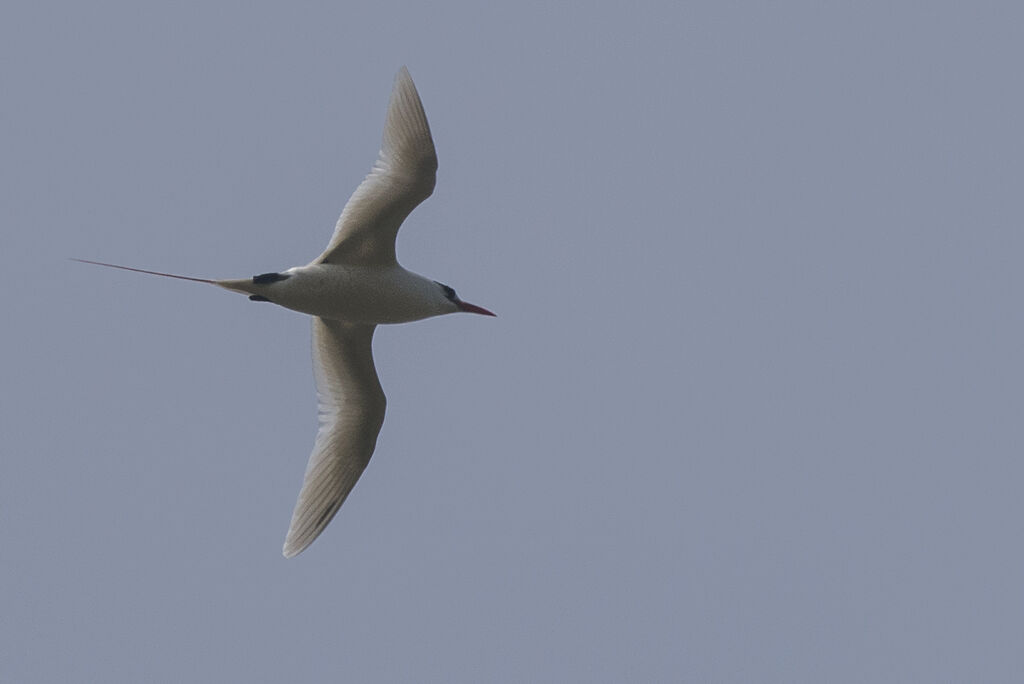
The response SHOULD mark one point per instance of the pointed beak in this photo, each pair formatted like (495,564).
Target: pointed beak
(473,308)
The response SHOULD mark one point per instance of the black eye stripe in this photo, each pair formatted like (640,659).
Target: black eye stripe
(448,291)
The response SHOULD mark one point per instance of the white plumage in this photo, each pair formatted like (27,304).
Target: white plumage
(352,287)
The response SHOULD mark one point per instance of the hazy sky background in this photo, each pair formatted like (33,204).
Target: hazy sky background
(752,409)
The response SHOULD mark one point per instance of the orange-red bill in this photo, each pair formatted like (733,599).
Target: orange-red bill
(473,308)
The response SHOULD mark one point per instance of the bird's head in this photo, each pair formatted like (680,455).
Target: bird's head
(449,294)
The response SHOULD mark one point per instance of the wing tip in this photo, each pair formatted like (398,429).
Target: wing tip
(291,549)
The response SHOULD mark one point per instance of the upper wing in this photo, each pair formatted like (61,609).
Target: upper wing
(402,177)
(351,404)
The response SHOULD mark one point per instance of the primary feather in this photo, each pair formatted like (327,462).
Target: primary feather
(351,409)
(403,176)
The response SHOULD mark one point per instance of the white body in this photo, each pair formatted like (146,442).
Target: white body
(354,285)
(357,294)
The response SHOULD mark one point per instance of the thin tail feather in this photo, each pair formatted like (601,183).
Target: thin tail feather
(240,285)
(140,270)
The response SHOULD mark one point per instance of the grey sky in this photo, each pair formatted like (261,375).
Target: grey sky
(751,409)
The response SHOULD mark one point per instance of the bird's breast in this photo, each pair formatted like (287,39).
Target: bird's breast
(355,294)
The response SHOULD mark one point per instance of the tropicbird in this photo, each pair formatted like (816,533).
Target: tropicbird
(352,287)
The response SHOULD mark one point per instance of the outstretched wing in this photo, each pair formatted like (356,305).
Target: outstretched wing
(351,406)
(402,177)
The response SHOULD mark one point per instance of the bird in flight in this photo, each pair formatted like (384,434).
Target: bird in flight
(356,284)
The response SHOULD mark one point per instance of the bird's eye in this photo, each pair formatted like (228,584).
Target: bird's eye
(448,292)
